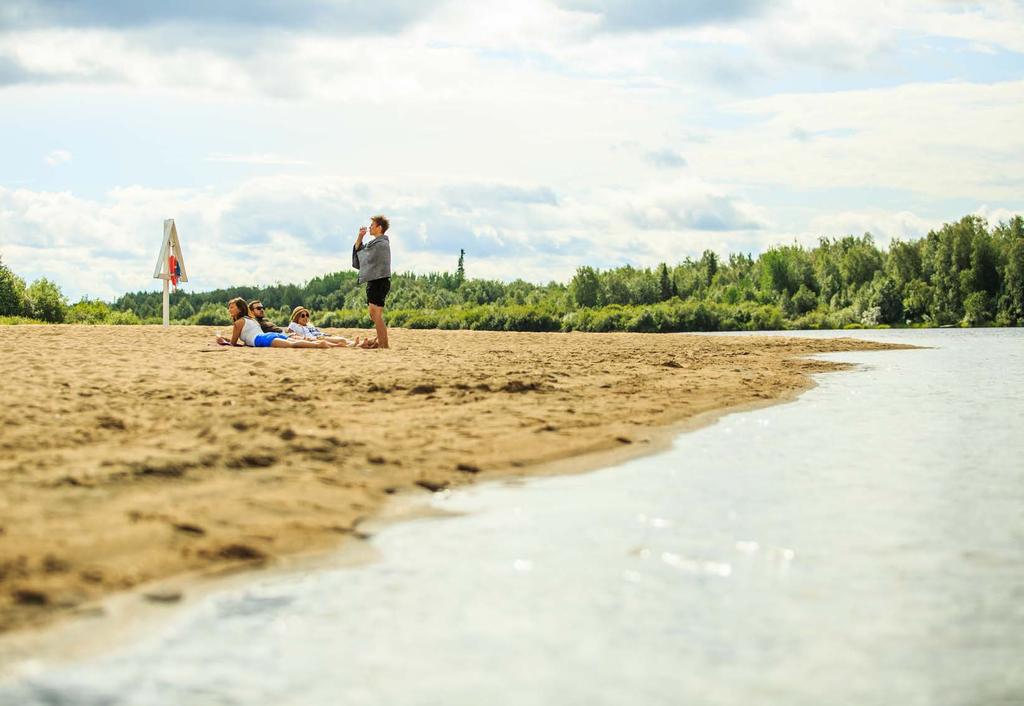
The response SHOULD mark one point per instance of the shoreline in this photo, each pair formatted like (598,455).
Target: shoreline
(560,459)
(128,615)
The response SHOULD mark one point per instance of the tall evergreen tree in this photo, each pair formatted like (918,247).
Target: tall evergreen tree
(665,282)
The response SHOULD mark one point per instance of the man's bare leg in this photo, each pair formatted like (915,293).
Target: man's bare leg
(377,317)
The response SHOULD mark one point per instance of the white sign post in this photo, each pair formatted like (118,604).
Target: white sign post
(170,265)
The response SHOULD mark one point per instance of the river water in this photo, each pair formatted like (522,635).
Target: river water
(862,545)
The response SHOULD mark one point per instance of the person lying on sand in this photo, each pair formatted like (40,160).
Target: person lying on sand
(256,311)
(301,327)
(247,331)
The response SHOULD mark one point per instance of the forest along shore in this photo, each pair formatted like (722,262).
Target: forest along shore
(136,453)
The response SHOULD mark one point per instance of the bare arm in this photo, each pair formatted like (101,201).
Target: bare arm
(236,330)
(359,238)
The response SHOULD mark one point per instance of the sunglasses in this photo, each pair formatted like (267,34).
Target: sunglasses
(303,316)
(257,308)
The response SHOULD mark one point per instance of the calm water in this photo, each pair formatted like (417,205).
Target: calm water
(863,545)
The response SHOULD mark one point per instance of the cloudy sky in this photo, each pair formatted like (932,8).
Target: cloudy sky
(538,135)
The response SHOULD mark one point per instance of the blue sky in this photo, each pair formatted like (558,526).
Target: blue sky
(537,135)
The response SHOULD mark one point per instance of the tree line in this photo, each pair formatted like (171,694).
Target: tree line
(964,273)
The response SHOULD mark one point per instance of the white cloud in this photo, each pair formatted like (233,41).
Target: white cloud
(993,23)
(997,215)
(261,159)
(946,140)
(56,157)
(884,226)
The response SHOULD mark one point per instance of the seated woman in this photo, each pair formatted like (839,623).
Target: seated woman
(301,327)
(247,331)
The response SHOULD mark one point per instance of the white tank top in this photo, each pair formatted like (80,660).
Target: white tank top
(250,331)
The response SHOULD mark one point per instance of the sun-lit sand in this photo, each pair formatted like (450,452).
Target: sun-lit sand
(136,453)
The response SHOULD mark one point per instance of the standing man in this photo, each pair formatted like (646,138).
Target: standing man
(373,260)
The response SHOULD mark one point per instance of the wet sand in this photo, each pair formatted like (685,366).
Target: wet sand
(132,454)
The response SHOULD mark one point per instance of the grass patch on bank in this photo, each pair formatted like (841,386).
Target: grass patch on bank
(20,321)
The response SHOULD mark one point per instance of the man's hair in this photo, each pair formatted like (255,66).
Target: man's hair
(382,221)
(241,306)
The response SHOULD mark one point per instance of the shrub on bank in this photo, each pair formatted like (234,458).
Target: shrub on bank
(87,312)
(97,313)
(45,301)
(345,318)
(663,317)
(813,320)
(513,318)
(842,318)
(676,316)
(123,318)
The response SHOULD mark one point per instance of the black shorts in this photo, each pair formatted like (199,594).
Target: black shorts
(377,290)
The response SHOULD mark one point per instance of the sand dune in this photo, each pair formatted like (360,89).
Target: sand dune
(136,453)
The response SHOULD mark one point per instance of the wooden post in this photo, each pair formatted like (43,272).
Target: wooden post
(167,302)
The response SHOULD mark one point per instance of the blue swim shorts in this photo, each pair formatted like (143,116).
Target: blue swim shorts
(265,339)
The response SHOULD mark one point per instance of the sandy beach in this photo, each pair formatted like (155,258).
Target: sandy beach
(132,454)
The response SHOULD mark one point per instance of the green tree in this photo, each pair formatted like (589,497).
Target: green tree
(783,269)
(481,291)
(803,301)
(212,315)
(859,261)
(45,301)
(904,262)
(983,275)
(946,263)
(886,297)
(825,259)
(709,266)
(917,300)
(665,282)
(686,280)
(12,293)
(615,286)
(977,309)
(643,287)
(585,287)
(1013,283)
(460,272)
(184,309)
(775,277)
